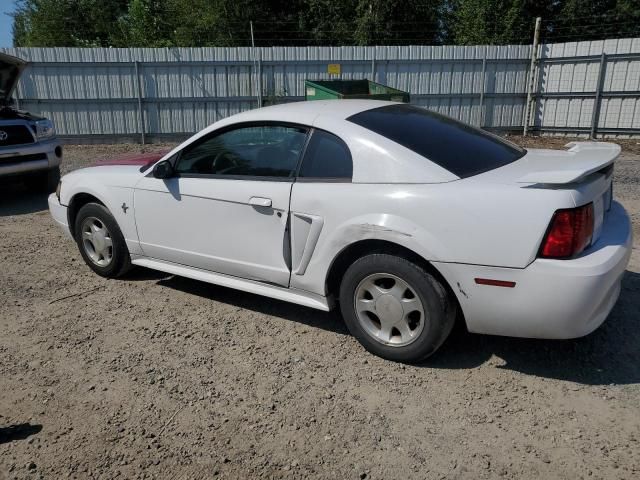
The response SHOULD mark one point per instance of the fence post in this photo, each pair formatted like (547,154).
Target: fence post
(482,87)
(140,110)
(259,79)
(595,115)
(373,65)
(532,71)
(257,64)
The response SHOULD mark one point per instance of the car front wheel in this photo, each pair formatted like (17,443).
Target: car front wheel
(101,242)
(395,308)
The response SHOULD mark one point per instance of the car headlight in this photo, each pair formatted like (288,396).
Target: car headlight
(44,129)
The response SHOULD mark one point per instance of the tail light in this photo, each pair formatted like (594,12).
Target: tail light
(569,233)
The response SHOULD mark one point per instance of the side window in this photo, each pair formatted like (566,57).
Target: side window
(327,156)
(257,151)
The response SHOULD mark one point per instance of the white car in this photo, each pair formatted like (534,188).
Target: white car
(407,218)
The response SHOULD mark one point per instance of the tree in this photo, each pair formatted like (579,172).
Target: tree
(66,23)
(165,23)
(146,24)
(43,23)
(475,22)
(326,22)
(215,22)
(396,22)
(478,22)
(595,19)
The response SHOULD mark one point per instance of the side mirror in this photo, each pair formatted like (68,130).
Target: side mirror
(163,170)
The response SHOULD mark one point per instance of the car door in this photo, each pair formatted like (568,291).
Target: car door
(225,208)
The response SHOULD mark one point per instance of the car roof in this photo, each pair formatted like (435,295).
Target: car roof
(376,159)
(307,111)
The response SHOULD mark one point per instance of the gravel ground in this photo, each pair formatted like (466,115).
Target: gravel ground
(155,376)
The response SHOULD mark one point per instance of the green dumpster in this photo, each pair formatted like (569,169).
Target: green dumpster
(334,89)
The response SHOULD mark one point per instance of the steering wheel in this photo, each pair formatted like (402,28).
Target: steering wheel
(227,160)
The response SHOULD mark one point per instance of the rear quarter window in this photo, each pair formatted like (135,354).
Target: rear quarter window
(326,157)
(460,148)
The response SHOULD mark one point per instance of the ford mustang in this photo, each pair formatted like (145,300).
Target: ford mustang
(405,219)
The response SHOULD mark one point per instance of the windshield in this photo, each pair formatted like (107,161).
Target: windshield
(460,148)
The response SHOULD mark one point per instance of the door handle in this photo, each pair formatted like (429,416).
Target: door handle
(260,202)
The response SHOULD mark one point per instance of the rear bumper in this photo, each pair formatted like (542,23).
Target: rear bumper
(23,159)
(59,214)
(552,298)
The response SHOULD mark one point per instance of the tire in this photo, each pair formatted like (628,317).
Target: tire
(421,311)
(107,262)
(44,182)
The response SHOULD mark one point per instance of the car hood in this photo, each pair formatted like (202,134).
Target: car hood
(121,176)
(139,159)
(10,70)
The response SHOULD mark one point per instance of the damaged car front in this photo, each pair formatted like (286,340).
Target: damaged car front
(29,149)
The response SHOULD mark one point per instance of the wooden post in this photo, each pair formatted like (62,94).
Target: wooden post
(257,64)
(140,107)
(482,87)
(373,65)
(532,71)
(597,100)
(259,79)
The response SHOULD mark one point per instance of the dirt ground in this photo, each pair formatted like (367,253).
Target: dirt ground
(155,376)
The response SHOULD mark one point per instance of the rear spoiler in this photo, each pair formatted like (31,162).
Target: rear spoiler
(578,161)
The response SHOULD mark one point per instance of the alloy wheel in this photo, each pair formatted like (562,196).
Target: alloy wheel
(97,242)
(389,309)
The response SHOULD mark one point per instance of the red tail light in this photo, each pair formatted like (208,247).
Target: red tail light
(570,232)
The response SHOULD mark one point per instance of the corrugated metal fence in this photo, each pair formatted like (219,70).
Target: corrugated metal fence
(149,94)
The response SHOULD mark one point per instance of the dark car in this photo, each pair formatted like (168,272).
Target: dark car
(29,148)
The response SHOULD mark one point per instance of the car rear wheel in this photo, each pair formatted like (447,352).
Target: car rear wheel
(395,308)
(45,181)
(101,242)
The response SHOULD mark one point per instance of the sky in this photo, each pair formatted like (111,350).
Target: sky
(6,22)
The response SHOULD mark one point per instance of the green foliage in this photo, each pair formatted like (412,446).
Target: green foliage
(604,19)
(69,23)
(478,22)
(214,22)
(511,21)
(146,24)
(166,23)
(328,22)
(395,21)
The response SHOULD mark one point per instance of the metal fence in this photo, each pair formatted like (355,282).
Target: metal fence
(589,87)
(101,94)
